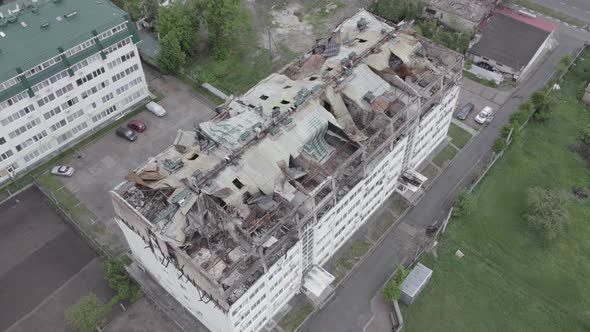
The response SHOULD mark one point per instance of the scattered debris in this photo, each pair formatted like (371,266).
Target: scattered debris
(459,254)
(580,193)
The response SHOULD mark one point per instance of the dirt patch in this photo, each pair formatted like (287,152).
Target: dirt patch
(296,24)
(583,150)
(290,27)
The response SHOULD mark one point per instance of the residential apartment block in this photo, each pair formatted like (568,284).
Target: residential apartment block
(66,68)
(239,215)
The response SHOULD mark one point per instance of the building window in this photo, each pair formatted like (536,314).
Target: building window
(90,76)
(6,155)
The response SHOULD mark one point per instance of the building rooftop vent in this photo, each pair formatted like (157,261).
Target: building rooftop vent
(71,14)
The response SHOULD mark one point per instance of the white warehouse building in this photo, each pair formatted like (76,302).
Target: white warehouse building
(66,68)
(239,215)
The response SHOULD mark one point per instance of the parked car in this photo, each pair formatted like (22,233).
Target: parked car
(62,170)
(465,111)
(484,115)
(137,125)
(155,108)
(127,133)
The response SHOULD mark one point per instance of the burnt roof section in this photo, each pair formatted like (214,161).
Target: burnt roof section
(509,41)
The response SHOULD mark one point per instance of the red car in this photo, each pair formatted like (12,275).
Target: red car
(136,125)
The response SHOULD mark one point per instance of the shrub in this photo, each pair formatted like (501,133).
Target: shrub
(518,118)
(88,314)
(464,204)
(585,135)
(391,289)
(119,281)
(546,211)
(499,144)
(542,104)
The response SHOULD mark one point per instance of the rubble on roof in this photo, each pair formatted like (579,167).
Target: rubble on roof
(233,193)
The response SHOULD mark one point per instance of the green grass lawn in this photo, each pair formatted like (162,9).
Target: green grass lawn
(459,136)
(511,279)
(398,205)
(443,158)
(348,259)
(430,171)
(296,316)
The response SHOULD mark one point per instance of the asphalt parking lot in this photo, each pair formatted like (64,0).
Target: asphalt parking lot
(45,267)
(105,163)
(480,96)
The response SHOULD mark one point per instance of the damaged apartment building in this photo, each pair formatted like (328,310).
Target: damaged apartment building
(240,214)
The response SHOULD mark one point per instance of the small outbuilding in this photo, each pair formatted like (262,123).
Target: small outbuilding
(414,283)
(510,42)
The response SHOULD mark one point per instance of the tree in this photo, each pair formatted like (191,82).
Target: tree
(546,211)
(391,289)
(88,314)
(176,18)
(398,10)
(223,19)
(152,9)
(171,57)
(133,7)
(116,276)
(542,104)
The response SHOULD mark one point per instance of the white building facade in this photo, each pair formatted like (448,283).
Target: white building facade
(319,237)
(59,100)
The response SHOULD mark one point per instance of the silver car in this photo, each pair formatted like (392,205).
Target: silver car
(62,171)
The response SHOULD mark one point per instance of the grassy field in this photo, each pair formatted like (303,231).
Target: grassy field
(443,158)
(246,64)
(459,136)
(349,258)
(511,279)
(296,315)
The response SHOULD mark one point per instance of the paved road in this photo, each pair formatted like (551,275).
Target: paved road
(579,9)
(349,309)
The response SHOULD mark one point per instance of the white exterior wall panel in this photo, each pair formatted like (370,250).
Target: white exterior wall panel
(91,106)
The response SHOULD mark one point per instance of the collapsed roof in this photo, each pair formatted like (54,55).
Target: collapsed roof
(232,193)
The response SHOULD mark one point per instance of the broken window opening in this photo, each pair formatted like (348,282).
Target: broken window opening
(237,183)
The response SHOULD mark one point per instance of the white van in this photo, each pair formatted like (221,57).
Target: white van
(155,108)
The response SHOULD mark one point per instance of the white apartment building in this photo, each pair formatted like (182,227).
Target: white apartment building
(238,216)
(66,68)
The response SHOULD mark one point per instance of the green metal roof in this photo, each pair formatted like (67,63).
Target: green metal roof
(27,46)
